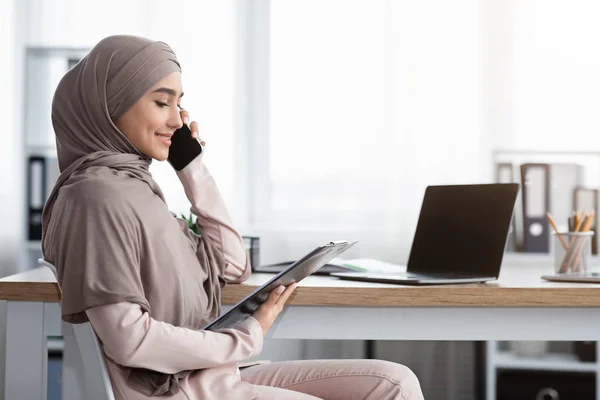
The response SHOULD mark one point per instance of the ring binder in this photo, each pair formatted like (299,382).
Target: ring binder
(535,180)
(36,193)
(42,173)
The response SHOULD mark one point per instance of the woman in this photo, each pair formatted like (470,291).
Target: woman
(145,281)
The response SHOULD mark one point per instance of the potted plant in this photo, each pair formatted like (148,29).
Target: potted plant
(191,220)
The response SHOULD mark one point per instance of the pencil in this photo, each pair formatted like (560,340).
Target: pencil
(551,220)
(580,218)
(579,247)
(588,222)
(565,265)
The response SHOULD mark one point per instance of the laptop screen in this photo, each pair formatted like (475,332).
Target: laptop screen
(463,229)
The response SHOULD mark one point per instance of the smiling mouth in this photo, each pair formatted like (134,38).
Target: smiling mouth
(165,138)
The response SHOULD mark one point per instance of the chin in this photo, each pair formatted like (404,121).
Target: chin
(161,156)
(158,154)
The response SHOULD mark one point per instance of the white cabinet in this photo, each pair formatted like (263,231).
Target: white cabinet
(558,362)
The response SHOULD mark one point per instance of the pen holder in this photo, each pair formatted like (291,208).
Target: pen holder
(575,259)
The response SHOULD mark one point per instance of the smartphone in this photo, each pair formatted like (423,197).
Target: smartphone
(184,148)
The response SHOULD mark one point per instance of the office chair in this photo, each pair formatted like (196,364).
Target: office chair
(96,381)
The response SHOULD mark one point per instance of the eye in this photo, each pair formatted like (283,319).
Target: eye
(161,104)
(179,106)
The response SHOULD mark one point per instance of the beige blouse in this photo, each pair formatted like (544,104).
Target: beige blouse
(131,338)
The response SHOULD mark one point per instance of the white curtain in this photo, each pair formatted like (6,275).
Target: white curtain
(370,102)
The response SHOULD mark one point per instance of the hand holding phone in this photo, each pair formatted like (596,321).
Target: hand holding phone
(184,148)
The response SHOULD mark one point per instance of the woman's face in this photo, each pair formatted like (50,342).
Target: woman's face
(150,123)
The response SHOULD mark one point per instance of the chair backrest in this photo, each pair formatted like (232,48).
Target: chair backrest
(97,381)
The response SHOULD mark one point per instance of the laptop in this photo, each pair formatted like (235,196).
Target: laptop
(461,236)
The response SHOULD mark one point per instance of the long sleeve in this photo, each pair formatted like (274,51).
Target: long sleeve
(132,338)
(213,219)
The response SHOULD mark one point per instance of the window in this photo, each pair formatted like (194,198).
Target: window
(362,105)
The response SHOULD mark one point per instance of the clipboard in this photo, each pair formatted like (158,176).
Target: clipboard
(299,270)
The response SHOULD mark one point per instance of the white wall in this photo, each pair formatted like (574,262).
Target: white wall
(556,80)
(498,57)
(10,159)
(11,148)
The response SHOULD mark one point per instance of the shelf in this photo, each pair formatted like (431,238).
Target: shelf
(517,258)
(33,245)
(537,259)
(48,149)
(549,362)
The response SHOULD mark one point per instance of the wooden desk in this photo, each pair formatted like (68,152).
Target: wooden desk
(517,287)
(519,306)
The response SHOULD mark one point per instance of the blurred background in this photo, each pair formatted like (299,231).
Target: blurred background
(327,119)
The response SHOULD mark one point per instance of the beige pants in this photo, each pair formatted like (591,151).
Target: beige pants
(334,380)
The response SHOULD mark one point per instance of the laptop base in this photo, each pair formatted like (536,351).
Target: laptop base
(410,279)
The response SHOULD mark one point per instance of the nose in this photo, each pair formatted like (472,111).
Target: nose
(175,121)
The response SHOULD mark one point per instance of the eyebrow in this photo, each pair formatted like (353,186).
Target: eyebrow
(167,91)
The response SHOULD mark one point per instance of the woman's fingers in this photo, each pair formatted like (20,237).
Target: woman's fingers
(185,116)
(274,295)
(268,311)
(281,300)
(194,129)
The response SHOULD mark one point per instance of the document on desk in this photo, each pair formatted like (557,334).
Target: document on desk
(372,265)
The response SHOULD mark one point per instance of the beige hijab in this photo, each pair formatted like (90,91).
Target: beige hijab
(105,224)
